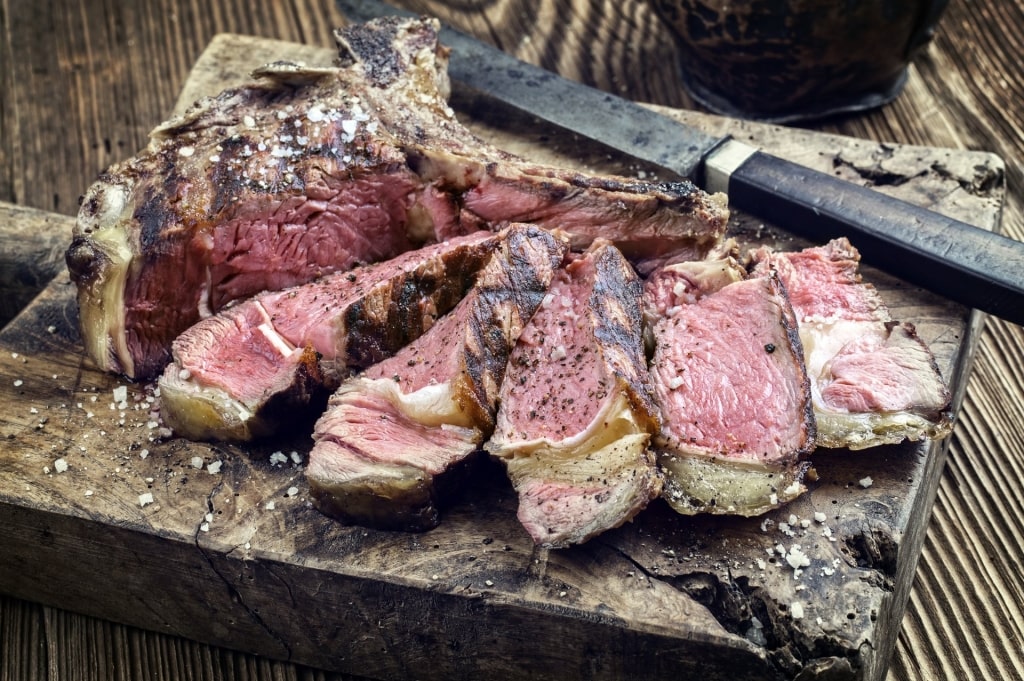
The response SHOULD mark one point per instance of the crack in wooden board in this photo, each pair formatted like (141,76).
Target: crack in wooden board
(239,558)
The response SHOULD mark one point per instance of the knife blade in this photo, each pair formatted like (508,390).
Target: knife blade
(972,266)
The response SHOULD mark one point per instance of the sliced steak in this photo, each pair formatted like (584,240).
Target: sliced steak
(389,436)
(576,410)
(313,170)
(240,373)
(729,380)
(873,380)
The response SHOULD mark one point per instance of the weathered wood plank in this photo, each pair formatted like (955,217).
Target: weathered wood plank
(233,571)
(32,245)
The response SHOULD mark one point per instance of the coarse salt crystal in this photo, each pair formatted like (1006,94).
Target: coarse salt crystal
(819,516)
(197,462)
(18,383)
(797,558)
(292,491)
(269,506)
(796,609)
(315,115)
(144,453)
(866,482)
(205,527)
(296,457)
(558,353)
(249,121)
(60,465)
(186,151)
(278,458)
(88,492)
(145,499)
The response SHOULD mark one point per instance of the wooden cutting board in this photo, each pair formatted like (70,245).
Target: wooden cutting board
(228,550)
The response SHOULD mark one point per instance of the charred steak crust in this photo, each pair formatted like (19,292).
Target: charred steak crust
(506,306)
(615,303)
(391,435)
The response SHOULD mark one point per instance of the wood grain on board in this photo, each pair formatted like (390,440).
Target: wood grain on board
(109,516)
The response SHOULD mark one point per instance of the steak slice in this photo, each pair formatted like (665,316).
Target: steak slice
(239,374)
(729,380)
(576,410)
(312,170)
(390,436)
(873,380)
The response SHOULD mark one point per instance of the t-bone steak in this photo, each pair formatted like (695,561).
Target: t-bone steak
(312,170)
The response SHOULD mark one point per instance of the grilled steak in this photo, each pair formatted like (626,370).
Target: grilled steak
(313,170)
(237,374)
(391,433)
(873,380)
(730,383)
(576,410)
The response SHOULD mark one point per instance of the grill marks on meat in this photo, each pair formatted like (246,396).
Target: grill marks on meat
(729,379)
(391,435)
(873,380)
(238,374)
(313,170)
(576,408)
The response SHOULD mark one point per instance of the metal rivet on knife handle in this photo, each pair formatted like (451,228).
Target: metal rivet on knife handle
(723,162)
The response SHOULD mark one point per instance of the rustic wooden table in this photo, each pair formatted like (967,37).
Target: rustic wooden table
(81,85)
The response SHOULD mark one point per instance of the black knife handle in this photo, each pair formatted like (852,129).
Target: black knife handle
(970,265)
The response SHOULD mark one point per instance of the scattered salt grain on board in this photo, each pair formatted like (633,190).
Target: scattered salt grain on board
(145,499)
(214,467)
(60,465)
(866,482)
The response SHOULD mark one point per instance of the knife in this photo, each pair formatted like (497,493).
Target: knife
(967,264)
